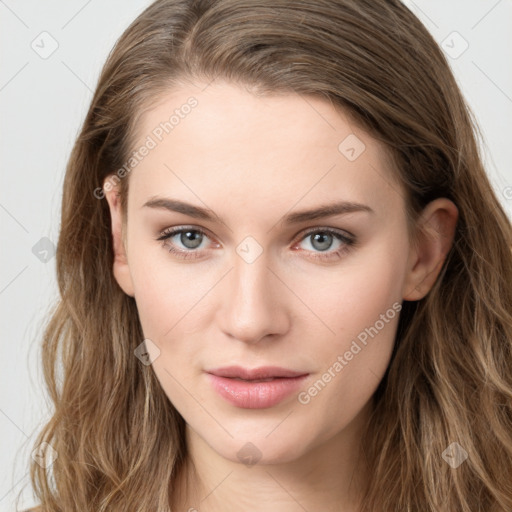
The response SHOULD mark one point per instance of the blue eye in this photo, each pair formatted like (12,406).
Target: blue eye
(321,240)
(190,238)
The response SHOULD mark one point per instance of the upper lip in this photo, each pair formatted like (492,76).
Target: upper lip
(263,372)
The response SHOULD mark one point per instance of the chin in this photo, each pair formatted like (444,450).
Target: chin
(253,448)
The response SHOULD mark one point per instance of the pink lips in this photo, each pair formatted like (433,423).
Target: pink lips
(255,389)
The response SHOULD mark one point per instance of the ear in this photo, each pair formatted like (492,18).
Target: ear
(436,230)
(121,268)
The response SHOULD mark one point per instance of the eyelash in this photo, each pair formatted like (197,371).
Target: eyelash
(348,241)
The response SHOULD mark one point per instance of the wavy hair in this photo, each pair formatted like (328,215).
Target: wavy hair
(119,440)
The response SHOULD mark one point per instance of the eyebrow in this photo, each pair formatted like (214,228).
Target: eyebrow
(198,212)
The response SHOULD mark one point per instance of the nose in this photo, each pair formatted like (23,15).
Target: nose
(254,304)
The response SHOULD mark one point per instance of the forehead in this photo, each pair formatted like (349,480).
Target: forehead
(221,140)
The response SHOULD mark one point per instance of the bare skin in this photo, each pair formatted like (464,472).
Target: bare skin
(253,160)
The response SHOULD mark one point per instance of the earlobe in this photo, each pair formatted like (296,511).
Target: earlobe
(120,268)
(436,231)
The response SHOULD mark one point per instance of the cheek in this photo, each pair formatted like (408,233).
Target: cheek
(349,375)
(362,306)
(352,296)
(168,297)
(165,290)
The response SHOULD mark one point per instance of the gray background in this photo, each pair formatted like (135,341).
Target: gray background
(43,99)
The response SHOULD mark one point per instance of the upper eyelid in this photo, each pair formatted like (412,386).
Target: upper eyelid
(339,231)
(170,232)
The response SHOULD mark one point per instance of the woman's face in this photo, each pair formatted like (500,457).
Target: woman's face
(269,282)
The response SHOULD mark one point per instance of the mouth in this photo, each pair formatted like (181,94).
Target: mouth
(262,373)
(254,380)
(259,388)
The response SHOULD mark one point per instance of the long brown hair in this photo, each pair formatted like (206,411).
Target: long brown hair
(119,440)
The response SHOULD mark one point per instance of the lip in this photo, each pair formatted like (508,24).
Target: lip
(263,372)
(255,395)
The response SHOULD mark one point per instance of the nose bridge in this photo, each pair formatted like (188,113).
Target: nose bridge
(252,308)
(251,278)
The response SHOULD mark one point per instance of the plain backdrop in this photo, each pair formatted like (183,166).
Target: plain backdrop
(52,53)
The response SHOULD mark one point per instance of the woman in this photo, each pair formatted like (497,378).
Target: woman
(285,276)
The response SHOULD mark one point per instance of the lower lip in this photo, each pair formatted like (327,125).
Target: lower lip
(255,395)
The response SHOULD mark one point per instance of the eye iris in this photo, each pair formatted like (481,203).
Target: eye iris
(191,236)
(323,244)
